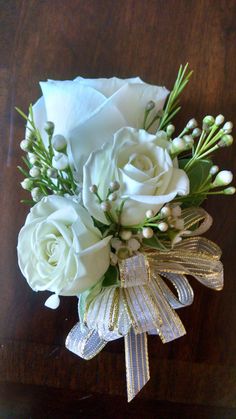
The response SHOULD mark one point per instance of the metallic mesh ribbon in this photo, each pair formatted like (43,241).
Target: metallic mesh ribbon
(144,303)
(136,360)
(84,343)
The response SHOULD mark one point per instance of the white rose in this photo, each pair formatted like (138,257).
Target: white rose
(59,249)
(83,107)
(141,163)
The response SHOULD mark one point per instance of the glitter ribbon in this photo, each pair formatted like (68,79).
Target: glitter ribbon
(144,303)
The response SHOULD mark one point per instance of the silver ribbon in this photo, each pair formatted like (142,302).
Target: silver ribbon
(143,303)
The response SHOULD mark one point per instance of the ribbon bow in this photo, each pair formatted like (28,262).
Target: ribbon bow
(145,304)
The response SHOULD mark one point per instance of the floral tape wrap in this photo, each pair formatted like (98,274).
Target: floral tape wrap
(144,303)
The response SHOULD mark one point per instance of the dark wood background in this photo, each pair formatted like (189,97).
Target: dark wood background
(195,376)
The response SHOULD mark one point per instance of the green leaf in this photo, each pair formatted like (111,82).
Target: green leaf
(111,277)
(28,202)
(26,161)
(21,113)
(154,242)
(198,174)
(23,171)
(199,177)
(172,234)
(102,227)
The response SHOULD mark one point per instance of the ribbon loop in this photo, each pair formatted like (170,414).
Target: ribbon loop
(183,288)
(194,256)
(195,216)
(171,326)
(84,343)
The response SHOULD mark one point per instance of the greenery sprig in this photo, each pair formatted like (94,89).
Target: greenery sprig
(212,139)
(171,107)
(47,170)
(194,148)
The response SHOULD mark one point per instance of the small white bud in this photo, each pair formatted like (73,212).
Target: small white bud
(192,124)
(125,234)
(188,139)
(209,120)
(123,252)
(113,259)
(105,206)
(228,126)
(27,184)
(116,243)
(230,191)
(150,214)
(214,169)
(206,127)
(178,144)
(226,141)
(134,244)
(93,188)
(26,145)
(179,224)
(36,194)
(60,161)
(150,105)
(224,177)
(52,173)
(165,212)
(32,158)
(112,196)
(196,132)
(49,127)
(170,130)
(176,240)
(219,120)
(161,135)
(114,186)
(35,172)
(59,142)
(162,226)
(147,232)
(176,211)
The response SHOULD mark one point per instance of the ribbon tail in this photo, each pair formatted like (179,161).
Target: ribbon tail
(137,364)
(171,327)
(84,343)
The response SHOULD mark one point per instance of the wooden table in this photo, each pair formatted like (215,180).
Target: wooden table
(195,376)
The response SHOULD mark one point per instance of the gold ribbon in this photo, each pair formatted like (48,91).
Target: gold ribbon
(144,303)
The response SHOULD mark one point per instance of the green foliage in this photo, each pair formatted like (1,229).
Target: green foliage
(64,182)
(154,243)
(111,277)
(172,105)
(200,181)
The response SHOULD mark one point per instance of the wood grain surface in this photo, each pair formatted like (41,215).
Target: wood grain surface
(195,376)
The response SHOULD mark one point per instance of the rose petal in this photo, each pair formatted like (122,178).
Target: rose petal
(69,103)
(179,182)
(132,99)
(52,302)
(108,86)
